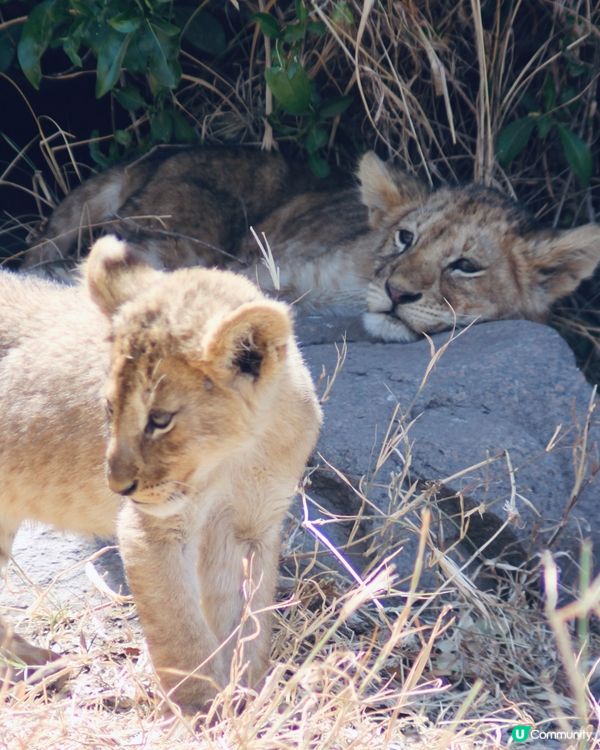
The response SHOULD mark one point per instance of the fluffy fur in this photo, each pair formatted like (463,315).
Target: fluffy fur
(422,261)
(179,206)
(411,260)
(212,416)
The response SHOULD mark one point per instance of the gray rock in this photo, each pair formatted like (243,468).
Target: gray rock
(504,398)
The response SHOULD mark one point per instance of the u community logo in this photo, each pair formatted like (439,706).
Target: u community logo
(524,732)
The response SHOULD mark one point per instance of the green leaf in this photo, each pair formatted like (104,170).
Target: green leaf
(319,166)
(292,92)
(301,11)
(71,46)
(530,103)
(96,153)
(294,33)
(577,154)
(576,69)
(268,25)
(513,139)
(36,36)
(544,125)
(549,94)
(110,58)
(163,55)
(166,28)
(183,132)
(125,23)
(161,127)
(140,47)
(206,33)
(317,27)
(335,107)
(130,98)
(568,94)
(123,137)
(317,138)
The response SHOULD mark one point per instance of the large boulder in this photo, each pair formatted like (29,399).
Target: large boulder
(499,412)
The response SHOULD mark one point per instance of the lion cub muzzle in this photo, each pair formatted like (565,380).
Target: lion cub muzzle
(120,489)
(121,471)
(400,296)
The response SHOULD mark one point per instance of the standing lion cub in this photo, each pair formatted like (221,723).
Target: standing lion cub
(212,417)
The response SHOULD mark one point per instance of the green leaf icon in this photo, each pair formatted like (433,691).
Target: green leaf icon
(521,733)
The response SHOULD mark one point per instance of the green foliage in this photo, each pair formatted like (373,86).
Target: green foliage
(136,49)
(301,111)
(548,120)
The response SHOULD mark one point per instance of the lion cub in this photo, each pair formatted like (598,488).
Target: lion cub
(178,206)
(415,261)
(212,415)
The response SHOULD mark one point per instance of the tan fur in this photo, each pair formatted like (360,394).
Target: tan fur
(345,250)
(179,206)
(212,418)
(340,249)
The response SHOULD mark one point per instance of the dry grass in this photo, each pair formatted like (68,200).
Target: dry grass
(378,664)
(428,661)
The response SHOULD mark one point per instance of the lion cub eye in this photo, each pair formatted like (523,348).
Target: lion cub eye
(403,239)
(465,267)
(159,421)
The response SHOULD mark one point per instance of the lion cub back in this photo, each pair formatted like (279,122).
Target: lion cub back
(179,206)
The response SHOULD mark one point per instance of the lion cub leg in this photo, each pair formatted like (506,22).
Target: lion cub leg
(15,651)
(238,573)
(161,562)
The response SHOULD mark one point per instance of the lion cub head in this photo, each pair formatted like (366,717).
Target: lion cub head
(196,360)
(458,255)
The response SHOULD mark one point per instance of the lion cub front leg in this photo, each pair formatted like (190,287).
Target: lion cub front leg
(238,572)
(161,562)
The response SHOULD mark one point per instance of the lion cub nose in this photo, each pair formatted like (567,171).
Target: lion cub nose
(399,296)
(122,488)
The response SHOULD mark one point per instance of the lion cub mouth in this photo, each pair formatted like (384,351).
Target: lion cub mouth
(160,504)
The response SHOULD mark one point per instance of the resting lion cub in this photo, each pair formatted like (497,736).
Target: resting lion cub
(416,261)
(411,261)
(212,417)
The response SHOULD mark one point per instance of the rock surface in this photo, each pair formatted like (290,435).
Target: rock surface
(502,398)
(500,412)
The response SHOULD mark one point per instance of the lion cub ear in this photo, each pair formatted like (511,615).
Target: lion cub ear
(561,260)
(385,189)
(250,341)
(114,273)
